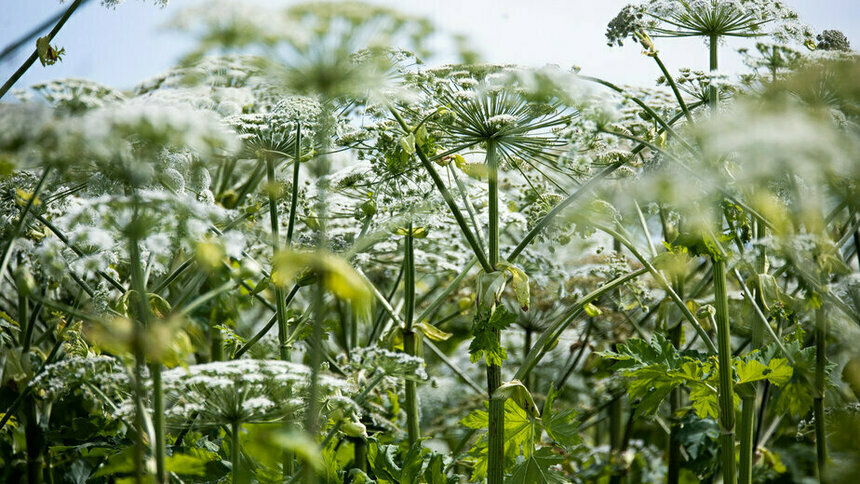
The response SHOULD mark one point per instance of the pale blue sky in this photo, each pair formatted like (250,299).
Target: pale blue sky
(125,46)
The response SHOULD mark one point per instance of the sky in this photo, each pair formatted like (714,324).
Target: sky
(124,46)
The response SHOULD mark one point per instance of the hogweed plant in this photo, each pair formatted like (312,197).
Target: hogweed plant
(655,283)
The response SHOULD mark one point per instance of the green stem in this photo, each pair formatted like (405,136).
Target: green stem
(158,421)
(274,223)
(713,92)
(409,337)
(24,318)
(746,437)
(724,356)
(34,442)
(35,55)
(235,451)
(138,342)
(496,426)
(818,402)
(674,472)
(615,437)
(294,190)
(359,459)
(316,348)
(280,299)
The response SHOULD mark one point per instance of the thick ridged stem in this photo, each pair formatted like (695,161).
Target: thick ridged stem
(713,92)
(675,401)
(235,452)
(745,435)
(294,190)
(158,421)
(527,347)
(359,459)
(280,299)
(274,223)
(34,443)
(409,340)
(616,436)
(724,356)
(138,343)
(674,467)
(496,425)
(818,402)
(321,170)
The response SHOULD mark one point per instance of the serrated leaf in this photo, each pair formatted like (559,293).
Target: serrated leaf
(560,426)
(537,469)
(777,371)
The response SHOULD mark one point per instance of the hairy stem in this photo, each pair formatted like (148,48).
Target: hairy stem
(745,435)
(294,189)
(409,338)
(818,402)
(724,356)
(496,426)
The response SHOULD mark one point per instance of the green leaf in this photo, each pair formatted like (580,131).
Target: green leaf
(705,401)
(48,55)
(777,371)
(485,343)
(519,282)
(432,332)
(521,431)
(591,310)
(536,469)
(560,426)
(490,288)
(638,353)
(188,464)
(408,143)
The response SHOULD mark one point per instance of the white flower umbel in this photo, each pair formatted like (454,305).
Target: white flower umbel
(240,391)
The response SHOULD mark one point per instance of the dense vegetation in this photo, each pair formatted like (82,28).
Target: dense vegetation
(303,255)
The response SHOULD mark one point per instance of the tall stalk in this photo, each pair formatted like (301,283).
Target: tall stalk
(745,435)
(818,402)
(294,189)
(138,283)
(235,451)
(496,425)
(274,223)
(748,399)
(713,93)
(409,339)
(316,348)
(724,356)
(616,436)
